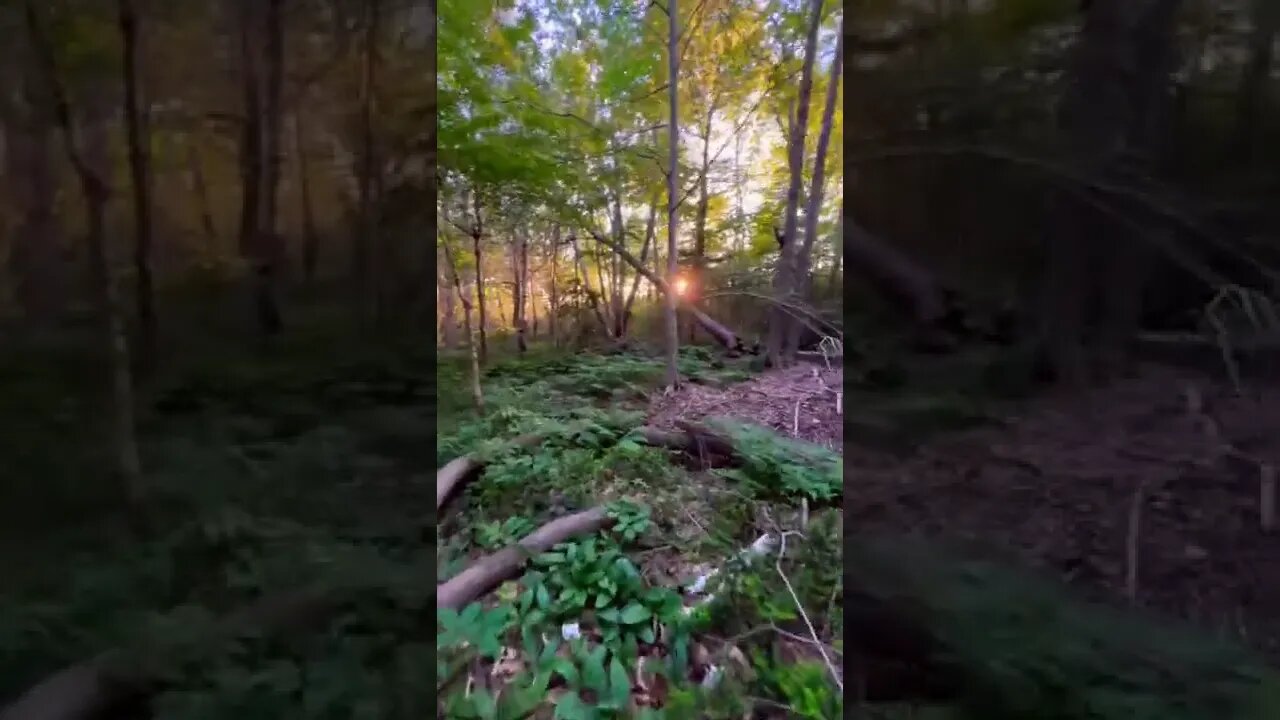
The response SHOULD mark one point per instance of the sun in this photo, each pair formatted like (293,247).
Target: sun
(682,286)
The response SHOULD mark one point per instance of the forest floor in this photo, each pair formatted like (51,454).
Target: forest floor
(302,467)
(1165,470)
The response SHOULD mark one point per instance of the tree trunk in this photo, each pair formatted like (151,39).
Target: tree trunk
(520,259)
(581,268)
(90,164)
(786,275)
(650,230)
(816,188)
(448,301)
(202,197)
(672,329)
(310,237)
(477,393)
(553,315)
(251,137)
(698,263)
(616,271)
(899,278)
(477,249)
(139,140)
(723,335)
(273,117)
(1111,116)
(365,241)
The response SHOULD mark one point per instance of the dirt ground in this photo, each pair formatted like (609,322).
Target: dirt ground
(797,402)
(1164,471)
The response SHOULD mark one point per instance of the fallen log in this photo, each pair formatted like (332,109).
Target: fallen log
(459,471)
(727,338)
(492,570)
(898,277)
(101,686)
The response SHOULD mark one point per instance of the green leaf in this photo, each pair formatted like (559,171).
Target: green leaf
(635,613)
(571,707)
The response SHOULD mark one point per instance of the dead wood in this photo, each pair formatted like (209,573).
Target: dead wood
(95,688)
(723,335)
(491,570)
(459,471)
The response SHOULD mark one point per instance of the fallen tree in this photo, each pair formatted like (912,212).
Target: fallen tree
(114,681)
(458,471)
(727,338)
(98,687)
(491,570)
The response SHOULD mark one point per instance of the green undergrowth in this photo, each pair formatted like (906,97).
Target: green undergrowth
(1017,646)
(591,624)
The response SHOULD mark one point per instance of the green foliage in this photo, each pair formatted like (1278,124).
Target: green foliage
(1026,649)
(775,467)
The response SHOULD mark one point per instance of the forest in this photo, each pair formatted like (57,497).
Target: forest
(1019,463)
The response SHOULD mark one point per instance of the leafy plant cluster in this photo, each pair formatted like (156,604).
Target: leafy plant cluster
(577,590)
(773,467)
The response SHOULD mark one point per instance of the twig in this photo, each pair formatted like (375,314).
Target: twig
(795,422)
(782,550)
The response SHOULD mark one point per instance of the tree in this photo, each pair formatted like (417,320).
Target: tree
(86,150)
(787,273)
(139,140)
(673,201)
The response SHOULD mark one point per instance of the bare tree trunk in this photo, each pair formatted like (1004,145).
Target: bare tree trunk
(477,393)
(581,269)
(673,177)
(520,261)
(251,138)
(553,315)
(90,164)
(366,235)
(202,196)
(310,237)
(477,249)
(814,201)
(139,139)
(1109,116)
(698,262)
(787,274)
(273,117)
(650,230)
(616,271)
(448,302)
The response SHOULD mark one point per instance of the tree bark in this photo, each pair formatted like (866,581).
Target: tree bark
(202,197)
(477,392)
(553,314)
(670,324)
(310,237)
(365,243)
(90,163)
(698,263)
(477,249)
(581,269)
(139,141)
(650,230)
(490,571)
(900,279)
(816,188)
(1110,119)
(251,137)
(786,274)
(520,259)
